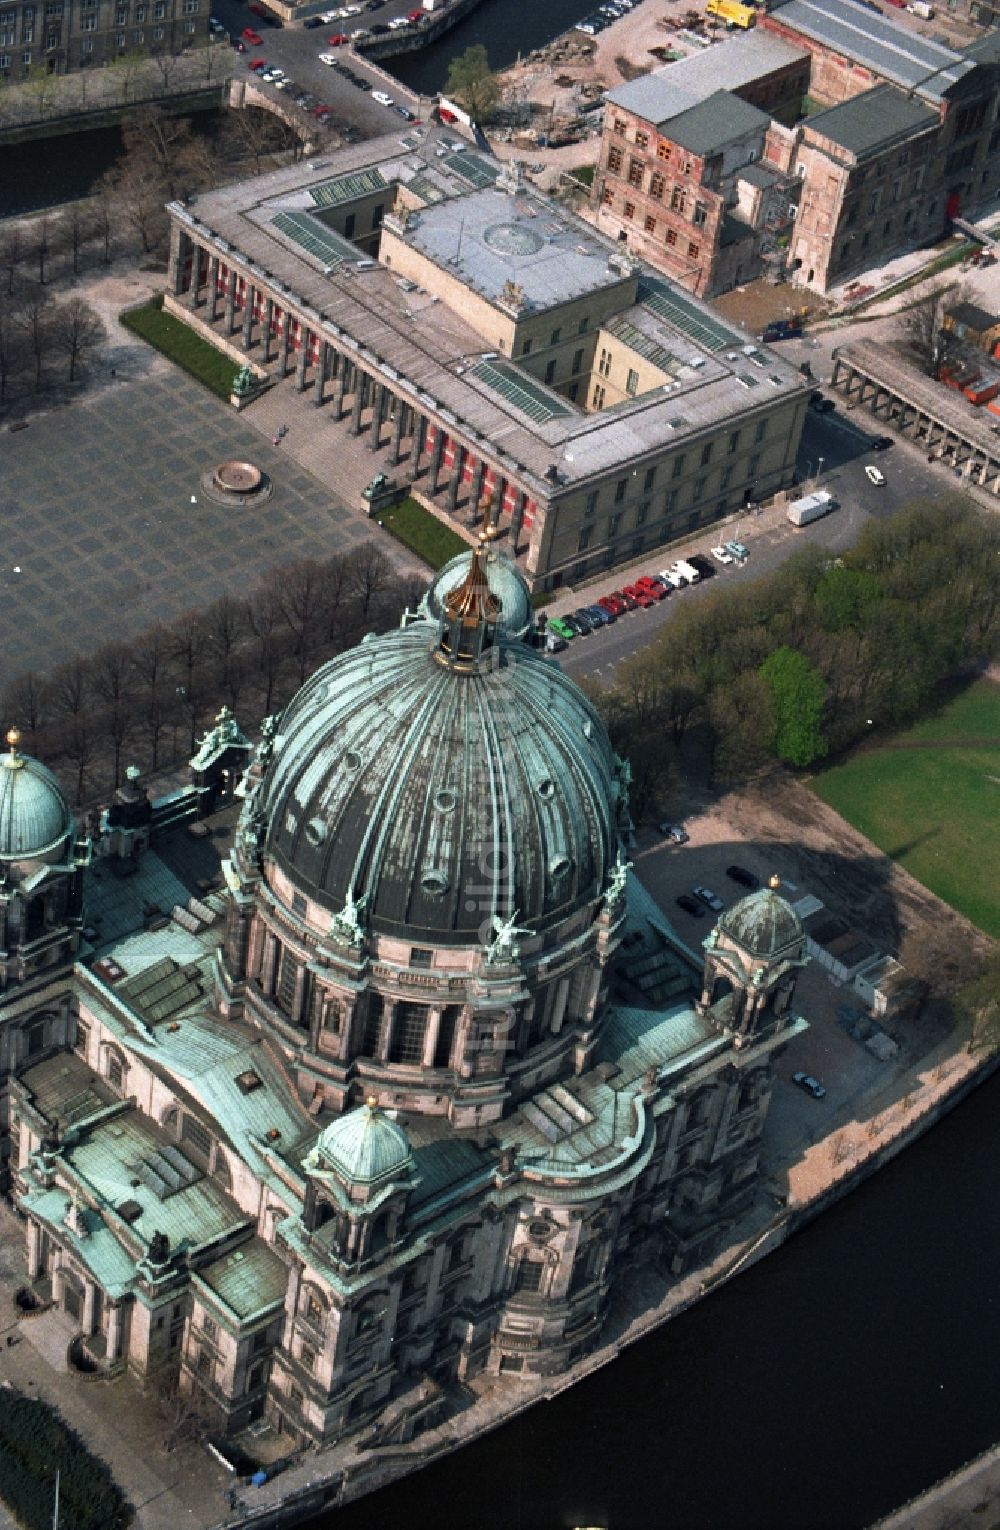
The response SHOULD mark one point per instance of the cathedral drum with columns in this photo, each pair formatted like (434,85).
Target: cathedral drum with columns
(441,1071)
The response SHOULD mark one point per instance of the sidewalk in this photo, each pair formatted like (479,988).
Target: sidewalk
(118,1423)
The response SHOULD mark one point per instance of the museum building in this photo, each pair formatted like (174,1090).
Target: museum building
(493,346)
(399,1098)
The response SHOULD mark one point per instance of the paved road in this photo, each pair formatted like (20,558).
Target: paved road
(296,49)
(841,442)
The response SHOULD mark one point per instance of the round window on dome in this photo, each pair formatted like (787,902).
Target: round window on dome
(352,760)
(434,882)
(588,728)
(315,832)
(445,800)
(546,789)
(560,866)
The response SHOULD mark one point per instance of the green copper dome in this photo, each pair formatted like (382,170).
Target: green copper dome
(505,582)
(365,1148)
(34,815)
(430,792)
(764,924)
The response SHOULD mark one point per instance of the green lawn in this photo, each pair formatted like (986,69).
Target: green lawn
(422,532)
(183,346)
(935,809)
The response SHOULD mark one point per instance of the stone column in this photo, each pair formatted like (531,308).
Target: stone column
(517,519)
(115,1315)
(359,401)
(431,1036)
(320,375)
(213,288)
(348,1023)
(436,454)
(89,1306)
(299,994)
(385,1033)
(230,320)
(455,481)
(175,260)
(284,344)
(378,404)
(248,296)
(419,442)
(397,431)
(266,336)
(301,362)
(477,489)
(195,273)
(269,964)
(559,1006)
(342,376)
(34,1249)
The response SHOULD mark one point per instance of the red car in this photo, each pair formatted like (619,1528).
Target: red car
(337,40)
(415,15)
(654,586)
(322,112)
(613,605)
(257,65)
(628,600)
(641,596)
(250,36)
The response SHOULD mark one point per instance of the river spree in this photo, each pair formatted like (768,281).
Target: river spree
(828,1384)
(504,27)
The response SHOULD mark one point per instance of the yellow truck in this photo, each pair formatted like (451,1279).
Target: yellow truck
(732,13)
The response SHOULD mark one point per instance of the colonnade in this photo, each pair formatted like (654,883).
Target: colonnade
(218,295)
(888,398)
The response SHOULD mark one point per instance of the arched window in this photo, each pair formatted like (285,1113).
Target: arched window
(408,1033)
(36,1036)
(529,1276)
(311,1305)
(370,1314)
(116,1069)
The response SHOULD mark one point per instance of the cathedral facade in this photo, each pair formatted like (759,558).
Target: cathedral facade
(395,1102)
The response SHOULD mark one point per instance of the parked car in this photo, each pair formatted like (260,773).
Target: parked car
(881,443)
(382,97)
(809,1084)
(706,569)
(709,898)
(582,622)
(337,40)
(739,550)
(641,595)
(657,587)
(614,606)
(561,628)
(626,597)
(690,906)
(254,38)
(673,578)
(362,84)
(673,831)
(257,65)
(406,114)
(721,555)
(398,22)
(598,616)
(875,475)
(743,877)
(328,58)
(554,643)
(312,21)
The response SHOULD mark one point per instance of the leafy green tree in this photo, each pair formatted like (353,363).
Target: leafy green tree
(799,693)
(844,595)
(473,84)
(978,1006)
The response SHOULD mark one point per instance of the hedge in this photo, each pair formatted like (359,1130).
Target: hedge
(34,1443)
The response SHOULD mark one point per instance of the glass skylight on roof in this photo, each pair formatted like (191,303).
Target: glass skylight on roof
(689,319)
(312,236)
(473,168)
(519,390)
(347,188)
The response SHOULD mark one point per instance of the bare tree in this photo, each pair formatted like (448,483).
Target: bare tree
(370,574)
(32,318)
(76,229)
(11,346)
(113,681)
(41,242)
(102,212)
(72,707)
(226,621)
(257,135)
(265,621)
(10,253)
(127,66)
(76,331)
(25,703)
(151,659)
(919,328)
(189,647)
(42,86)
(299,589)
